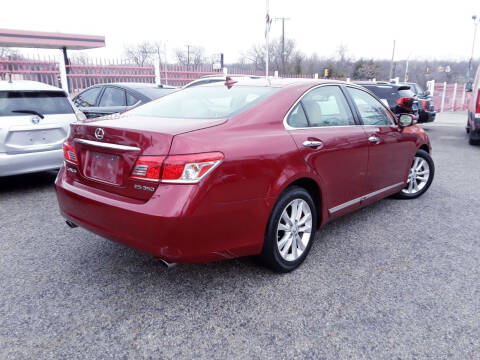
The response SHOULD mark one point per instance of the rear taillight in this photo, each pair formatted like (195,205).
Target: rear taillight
(189,168)
(477,110)
(69,153)
(405,102)
(148,168)
(176,168)
(425,105)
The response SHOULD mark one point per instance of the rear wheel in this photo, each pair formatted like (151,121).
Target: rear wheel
(420,176)
(473,141)
(290,230)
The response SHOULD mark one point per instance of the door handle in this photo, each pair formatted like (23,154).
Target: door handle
(312,143)
(374,139)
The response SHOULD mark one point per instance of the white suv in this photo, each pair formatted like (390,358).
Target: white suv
(34,122)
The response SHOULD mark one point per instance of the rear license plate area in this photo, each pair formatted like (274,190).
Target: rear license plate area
(103,167)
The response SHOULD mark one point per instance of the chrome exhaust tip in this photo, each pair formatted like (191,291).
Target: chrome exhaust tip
(70,224)
(169,265)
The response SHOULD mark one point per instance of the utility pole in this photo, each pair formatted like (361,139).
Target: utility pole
(282,19)
(391,63)
(475,24)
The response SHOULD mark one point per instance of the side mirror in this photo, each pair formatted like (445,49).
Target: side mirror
(426,93)
(405,120)
(468,86)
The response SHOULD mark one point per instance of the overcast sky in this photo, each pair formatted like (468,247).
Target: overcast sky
(425,29)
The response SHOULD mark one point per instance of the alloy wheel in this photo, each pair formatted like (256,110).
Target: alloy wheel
(418,176)
(294,229)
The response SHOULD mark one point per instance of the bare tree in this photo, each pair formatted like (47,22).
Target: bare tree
(191,56)
(6,52)
(141,54)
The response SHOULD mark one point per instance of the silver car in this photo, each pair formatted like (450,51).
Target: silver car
(34,122)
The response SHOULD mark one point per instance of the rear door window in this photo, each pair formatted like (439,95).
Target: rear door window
(371,110)
(113,97)
(88,98)
(327,106)
(43,102)
(297,118)
(131,100)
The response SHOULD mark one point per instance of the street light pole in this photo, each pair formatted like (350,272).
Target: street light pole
(282,19)
(475,24)
(391,63)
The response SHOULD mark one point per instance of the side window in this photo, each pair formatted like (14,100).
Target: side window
(297,118)
(131,100)
(87,98)
(112,97)
(371,110)
(327,106)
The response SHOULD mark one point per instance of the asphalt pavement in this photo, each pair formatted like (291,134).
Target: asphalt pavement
(398,279)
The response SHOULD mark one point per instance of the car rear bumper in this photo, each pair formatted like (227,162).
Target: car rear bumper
(14,164)
(174,225)
(426,116)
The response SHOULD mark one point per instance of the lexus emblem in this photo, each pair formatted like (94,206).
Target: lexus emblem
(35,119)
(99,133)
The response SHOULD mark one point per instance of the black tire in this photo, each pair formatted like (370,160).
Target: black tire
(472,141)
(270,255)
(426,156)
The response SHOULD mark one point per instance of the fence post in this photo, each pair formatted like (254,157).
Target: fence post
(156,62)
(454,96)
(63,72)
(443,96)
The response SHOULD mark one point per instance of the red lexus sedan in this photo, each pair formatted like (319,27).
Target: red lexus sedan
(247,167)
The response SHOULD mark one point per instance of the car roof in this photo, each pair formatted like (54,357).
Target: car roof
(25,85)
(274,82)
(132,85)
(401,86)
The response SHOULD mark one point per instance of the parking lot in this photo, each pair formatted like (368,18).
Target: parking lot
(396,279)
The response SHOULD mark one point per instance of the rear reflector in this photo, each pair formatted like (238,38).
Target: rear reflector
(425,105)
(176,168)
(69,153)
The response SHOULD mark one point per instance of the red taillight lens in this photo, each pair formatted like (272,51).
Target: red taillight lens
(477,110)
(69,153)
(148,168)
(189,168)
(176,168)
(405,102)
(425,105)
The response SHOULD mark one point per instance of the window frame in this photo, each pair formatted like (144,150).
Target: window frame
(389,112)
(99,95)
(353,110)
(113,87)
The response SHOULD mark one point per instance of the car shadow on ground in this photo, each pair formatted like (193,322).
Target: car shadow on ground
(34,181)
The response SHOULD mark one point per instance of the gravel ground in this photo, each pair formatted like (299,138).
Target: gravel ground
(399,279)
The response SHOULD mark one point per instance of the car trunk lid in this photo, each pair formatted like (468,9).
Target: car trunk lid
(108,148)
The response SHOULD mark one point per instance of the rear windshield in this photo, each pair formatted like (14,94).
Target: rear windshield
(205,102)
(389,93)
(154,93)
(43,102)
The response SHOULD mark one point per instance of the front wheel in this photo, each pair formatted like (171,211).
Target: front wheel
(290,230)
(420,176)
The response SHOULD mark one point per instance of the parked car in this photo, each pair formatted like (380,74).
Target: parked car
(426,108)
(34,122)
(399,98)
(473,122)
(252,167)
(105,99)
(209,79)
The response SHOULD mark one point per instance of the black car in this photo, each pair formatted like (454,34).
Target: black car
(399,98)
(426,109)
(104,99)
